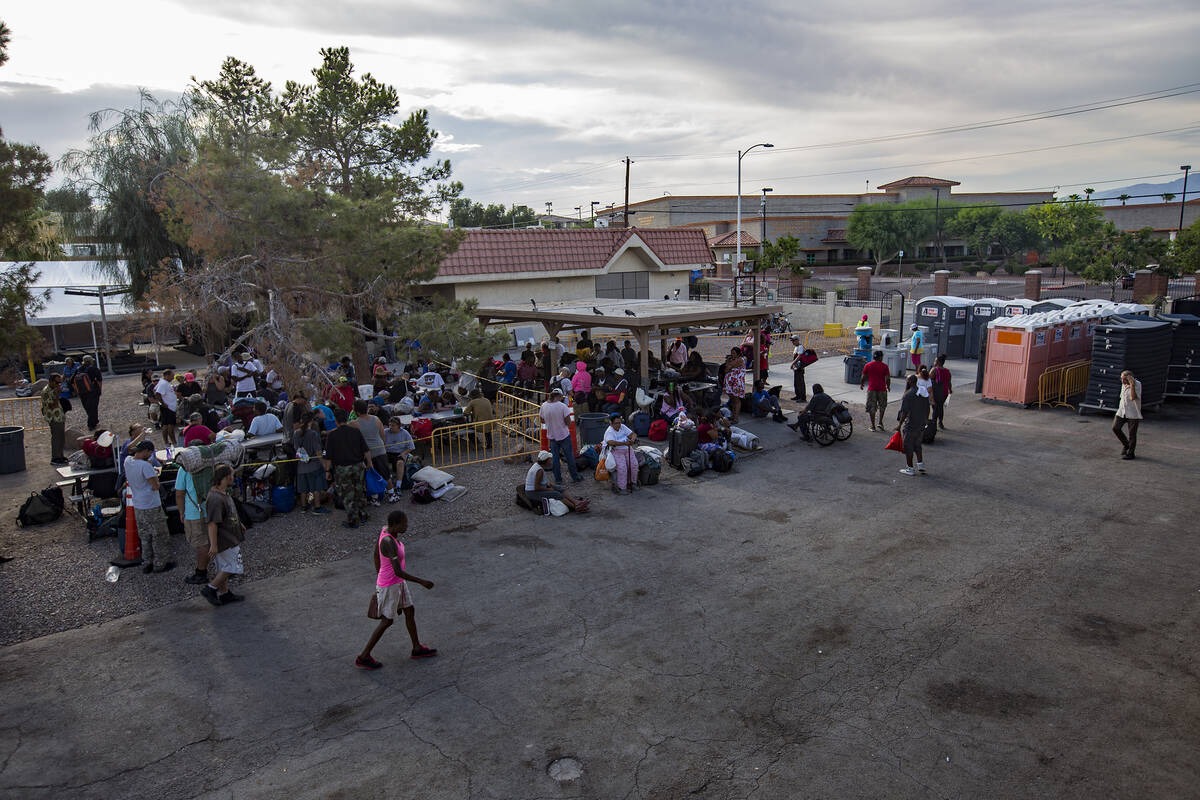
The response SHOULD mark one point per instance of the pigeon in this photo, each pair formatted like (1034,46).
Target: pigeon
(534,302)
(676,294)
(629,313)
(597,311)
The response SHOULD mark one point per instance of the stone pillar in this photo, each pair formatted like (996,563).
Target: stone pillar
(1147,285)
(864,283)
(941,282)
(831,306)
(1033,284)
(1196,282)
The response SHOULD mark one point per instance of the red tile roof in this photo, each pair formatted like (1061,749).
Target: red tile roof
(731,240)
(485,252)
(917,181)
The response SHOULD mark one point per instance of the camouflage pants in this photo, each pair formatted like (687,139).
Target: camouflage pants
(348,482)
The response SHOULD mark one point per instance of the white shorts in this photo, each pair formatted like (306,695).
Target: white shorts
(230,561)
(390,598)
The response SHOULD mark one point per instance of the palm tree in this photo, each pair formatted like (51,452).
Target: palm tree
(1123,198)
(1089,192)
(1168,197)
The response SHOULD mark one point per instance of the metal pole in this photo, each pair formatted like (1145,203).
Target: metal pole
(937,222)
(737,261)
(95,345)
(104,330)
(1183,198)
(627,163)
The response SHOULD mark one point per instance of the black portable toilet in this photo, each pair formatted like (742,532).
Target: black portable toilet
(947,320)
(982,312)
(1018,308)
(1053,304)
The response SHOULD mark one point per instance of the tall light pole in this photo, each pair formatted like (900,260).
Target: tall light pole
(762,212)
(741,154)
(1183,198)
(592,211)
(937,222)
(579,212)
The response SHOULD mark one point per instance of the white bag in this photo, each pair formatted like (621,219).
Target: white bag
(610,460)
(744,439)
(557,507)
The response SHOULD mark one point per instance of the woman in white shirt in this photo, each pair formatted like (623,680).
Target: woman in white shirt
(620,440)
(1129,412)
(924,383)
(538,485)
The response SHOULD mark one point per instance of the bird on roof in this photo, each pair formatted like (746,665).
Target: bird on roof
(676,294)
(534,302)
(629,313)
(597,311)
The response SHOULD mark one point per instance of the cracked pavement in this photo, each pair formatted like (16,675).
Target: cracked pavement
(1020,623)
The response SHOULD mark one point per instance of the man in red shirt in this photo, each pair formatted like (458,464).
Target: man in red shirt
(878,382)
(343,395)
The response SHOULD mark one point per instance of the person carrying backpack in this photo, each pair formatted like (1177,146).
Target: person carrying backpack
(89,384)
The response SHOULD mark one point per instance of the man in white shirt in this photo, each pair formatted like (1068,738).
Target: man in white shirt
(243,372)
(147,509)
(431,380)
(556,416)
(273,380)
(263,424)
(164,392)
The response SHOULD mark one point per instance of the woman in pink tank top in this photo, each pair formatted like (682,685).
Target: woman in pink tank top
(391,591)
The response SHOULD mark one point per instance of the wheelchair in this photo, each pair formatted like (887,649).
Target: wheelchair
(825,429)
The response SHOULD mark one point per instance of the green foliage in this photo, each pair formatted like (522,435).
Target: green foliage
(17,300)
(449,330)
(1015,267)
(1185,254)
(886,229)
(68,200)
(128,153)
(779,255)
(467,214)
(5,38)
(23,171)
(813,292)
(840,291)
(1109,254)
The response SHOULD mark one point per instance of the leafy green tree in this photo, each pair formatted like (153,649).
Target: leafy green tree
(17,300)
(1109,254)
(780,255)
(1185,253)
(5,38)
(128,153)
(448,331)
(976,226)
(25,229)
(467,214)
(1066,228)
(1123,198)
(1168,197)
(68,200)
(886,229)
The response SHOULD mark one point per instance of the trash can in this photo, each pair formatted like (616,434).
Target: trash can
(591,427)
(854,369)
(896,360)
(12,449)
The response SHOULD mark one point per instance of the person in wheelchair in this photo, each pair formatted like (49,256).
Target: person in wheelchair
(819,407)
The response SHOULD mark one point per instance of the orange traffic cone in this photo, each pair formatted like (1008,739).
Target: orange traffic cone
(133,544)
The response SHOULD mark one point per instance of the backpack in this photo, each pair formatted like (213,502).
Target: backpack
(83,383)
(841,414)
(927,436)
(422,493)
(41,507)
(641,423)
(721,461)
(657,430)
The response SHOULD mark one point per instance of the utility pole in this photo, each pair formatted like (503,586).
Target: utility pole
(937,222)
(762,212)
(1183,197)
(627,163)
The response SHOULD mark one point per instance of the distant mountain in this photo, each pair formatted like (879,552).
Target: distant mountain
(1154,190)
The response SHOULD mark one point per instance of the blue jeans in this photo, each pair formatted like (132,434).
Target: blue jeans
(563,446)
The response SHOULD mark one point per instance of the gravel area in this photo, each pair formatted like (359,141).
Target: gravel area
(56,582)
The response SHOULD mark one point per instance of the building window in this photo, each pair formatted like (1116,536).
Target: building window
(810,258)
(623,286)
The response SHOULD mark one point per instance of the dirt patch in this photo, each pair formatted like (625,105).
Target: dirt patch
(518,540)
(831,636)
(968,696)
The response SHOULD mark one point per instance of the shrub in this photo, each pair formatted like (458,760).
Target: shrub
(840,291)
(813,292)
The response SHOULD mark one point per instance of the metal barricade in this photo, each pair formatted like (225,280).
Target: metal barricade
(1057,385)
(23,411)
(492,440)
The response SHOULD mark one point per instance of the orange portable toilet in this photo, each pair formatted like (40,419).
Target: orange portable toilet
(1018,352)
(1060,328)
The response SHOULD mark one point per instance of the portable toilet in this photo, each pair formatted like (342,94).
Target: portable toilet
(947,320)
(1017,353)
(982,312)
(1052,304)
(1060,330)
(1017,308)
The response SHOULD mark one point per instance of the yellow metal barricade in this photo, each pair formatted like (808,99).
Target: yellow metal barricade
(831,340)
(477,442)
(1050,386)
(1074,381)
(23,411)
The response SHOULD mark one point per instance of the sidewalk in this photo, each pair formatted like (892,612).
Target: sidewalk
(830,372)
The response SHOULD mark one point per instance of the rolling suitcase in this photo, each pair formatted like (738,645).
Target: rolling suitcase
(681,443)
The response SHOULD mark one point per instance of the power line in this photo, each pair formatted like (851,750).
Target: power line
(1099,105)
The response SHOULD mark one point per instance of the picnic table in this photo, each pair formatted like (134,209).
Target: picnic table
(447,417)
(76,476)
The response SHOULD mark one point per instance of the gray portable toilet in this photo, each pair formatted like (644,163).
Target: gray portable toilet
(947,319)
(1053,304)
(982,312)
(1018,308)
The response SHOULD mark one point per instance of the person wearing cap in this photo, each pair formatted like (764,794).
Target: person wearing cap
(89,385)
(243,372)
(556,416)
(98,448)
(615,399)
(677,354)
(798,387)
(147,509)
(916,345)
(343,394)
(189,386)
(52,412)
(538,486)
(197,432)
(164,393)
(620,441)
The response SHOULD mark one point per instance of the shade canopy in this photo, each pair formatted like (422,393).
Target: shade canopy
(63,278)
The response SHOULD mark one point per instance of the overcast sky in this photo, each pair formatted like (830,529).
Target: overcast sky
(539,101)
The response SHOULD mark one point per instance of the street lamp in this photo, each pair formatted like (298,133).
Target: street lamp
(579,212)
(763,213)
(592,211)
(1183,198)
(740,155)
(900,266)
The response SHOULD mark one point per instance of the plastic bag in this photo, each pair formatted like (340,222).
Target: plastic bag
(375,484)
(610,460)
(557,507)
(895,443)
(601,472)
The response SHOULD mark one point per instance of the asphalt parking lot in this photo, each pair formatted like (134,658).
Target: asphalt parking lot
(1019,623)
